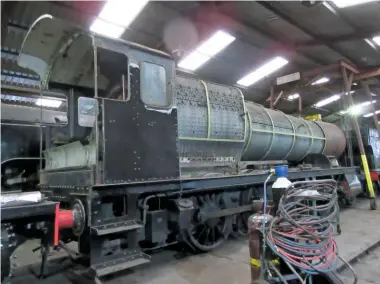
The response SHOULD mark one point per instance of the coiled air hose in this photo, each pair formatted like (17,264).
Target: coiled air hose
(301,233)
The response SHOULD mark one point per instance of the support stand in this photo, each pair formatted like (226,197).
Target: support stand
(347,89)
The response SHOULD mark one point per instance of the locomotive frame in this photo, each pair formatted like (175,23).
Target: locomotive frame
(139,202)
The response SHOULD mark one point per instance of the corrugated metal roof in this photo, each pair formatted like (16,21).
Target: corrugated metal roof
(261,33)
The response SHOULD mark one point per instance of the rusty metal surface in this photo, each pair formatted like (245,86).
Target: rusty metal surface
(277,136)
(254,237)
(335,142)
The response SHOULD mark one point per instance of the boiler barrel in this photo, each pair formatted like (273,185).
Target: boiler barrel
(274,135)
(216,127)
(212,124)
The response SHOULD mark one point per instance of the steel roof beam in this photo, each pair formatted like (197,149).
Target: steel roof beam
(358,35)
(369,74)
(335,108)
(81,13)
(299,26)
(7,8)
(249,27)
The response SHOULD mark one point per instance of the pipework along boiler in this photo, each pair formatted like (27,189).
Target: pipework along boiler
(216,127)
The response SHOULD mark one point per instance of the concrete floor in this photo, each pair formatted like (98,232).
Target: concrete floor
(229,264)
(367,269)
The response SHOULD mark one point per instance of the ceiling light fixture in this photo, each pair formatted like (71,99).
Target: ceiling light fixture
(371,43)
(349,3)
(351,92)
(327,101)
(328,6)
(116,16)
(356,109)
(215,44)
(49,103)
(263,71)
(321,81)
(376,39)
(370,114)
(293,97)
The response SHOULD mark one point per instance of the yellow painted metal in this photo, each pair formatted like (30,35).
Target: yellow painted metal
(273,134)
(250,135)
(368,176)
(247,123)
(312,140)
(209,139)
(324,135)
(245,113)
(208,111)
(314,117)
(257,262)
(289,134)
(294,135)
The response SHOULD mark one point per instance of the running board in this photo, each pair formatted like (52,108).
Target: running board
(127,260)
(116,227)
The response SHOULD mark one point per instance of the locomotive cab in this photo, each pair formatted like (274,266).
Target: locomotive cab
(132,94)
(123,132)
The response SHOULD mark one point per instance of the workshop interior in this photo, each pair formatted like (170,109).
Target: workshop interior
(133,128)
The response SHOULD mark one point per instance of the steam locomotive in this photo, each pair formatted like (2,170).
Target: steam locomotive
(148,159)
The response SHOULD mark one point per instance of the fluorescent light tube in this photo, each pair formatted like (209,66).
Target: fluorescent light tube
(116,16)
(48,103)
(351,92)
(357,108)
(293,97)
(376,39)
(328,6)
(370,114)
(321,81)
(107,29)
(215,44)
(327,101)
(348,3)
(263,71)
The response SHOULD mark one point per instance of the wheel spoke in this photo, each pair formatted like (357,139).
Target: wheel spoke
(221,228)
(217,229)
(207,198)
(201,233)
(201,200)
(207,241)
(218,198)
(195,201)
(212,232)
(213,196)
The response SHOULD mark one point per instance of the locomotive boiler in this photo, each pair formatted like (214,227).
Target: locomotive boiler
(167,159)
(218,129)
(215,121)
